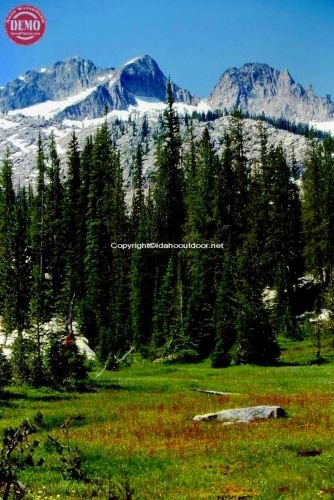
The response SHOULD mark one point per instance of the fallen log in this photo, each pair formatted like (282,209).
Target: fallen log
(217,393)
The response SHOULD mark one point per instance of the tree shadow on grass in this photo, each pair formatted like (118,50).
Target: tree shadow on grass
(105,384)
(50,397)
(310,362)
(8,398)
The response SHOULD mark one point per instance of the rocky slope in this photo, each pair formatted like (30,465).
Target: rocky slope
(74,94)
(20,134)
(258,88)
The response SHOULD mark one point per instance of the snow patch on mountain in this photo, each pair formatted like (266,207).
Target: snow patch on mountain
(144,106)
(327,126)
(58,133)
(131,61)
(150,105)
(49,109)
(21,145)
(6,124)
(96,122)
(18,143)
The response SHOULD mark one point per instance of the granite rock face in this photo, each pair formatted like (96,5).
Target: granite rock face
(143,77)
(62,80)
(257,88)
(20,134)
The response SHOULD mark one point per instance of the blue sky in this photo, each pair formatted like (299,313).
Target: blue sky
(192,40)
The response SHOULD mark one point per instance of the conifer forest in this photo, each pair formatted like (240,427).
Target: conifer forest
(61,250)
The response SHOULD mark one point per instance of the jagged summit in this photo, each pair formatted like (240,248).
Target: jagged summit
(143,77)
(258,88)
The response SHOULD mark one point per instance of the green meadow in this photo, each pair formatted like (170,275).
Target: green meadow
(137,439)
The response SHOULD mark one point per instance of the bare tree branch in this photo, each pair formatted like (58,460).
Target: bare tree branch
(117,361)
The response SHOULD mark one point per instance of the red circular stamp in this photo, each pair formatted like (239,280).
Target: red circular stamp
(25,24)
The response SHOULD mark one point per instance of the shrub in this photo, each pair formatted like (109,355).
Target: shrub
(5,371)
(220,358)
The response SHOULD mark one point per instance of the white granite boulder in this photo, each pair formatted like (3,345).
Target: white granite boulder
(244,415)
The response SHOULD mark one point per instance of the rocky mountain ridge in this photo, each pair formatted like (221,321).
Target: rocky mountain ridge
(77,89)
(73,94)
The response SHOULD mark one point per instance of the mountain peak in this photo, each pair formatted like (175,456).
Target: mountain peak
(77,65)
(74,58)
(257,65)
(250,67)
(142,77)
(88,89)
(144,59)
(258,88)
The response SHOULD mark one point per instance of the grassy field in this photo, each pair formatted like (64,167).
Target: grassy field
(137,427)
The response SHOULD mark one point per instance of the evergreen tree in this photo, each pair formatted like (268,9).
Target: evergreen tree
(318,209)
(97,262)
(284,239)
(224,203)
(167,335)
(120,263)
(169,219)
(169,176)
(225,315)
(199,321)
(72,217)
(200,228)
(40,303)
(241,177)
(5,371)
(22,260)
(86,162)
(54,232)
(105,310)
(138,196)
(64,365)
(20,358)
(141,282)
(14,263)
(8,264)
(256,342)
